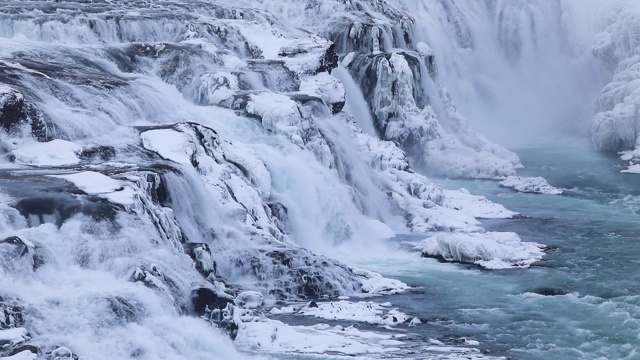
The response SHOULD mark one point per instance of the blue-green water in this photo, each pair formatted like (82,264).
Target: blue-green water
(595,231)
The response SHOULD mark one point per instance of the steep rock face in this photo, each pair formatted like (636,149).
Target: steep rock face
(18,115)
(615,127)
(399,79)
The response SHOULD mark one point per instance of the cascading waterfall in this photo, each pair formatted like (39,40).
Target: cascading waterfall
(171,168)
(498,58)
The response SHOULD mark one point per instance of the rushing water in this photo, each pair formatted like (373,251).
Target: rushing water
(592,305)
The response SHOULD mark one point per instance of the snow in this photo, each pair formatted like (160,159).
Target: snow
(170,144)
(13,336)
(475,205)
(249,299)
(632,157)
(23,355)
(53,153)
(95,183)
(491,250)
(367,312)
(536,185)
(276,337)
(376,284)
(324,86)
(632,169)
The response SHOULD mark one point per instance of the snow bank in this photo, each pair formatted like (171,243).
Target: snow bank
(375,284)
(276,337)
(367,312)
(95,183)
(23,355)
(491,250)
(13,336)
(170,144)
(536,185)
(53,153)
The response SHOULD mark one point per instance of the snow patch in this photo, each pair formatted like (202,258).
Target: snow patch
(535,185)
(491,250)
(53,153)
(95,183)
(367,312)
(169,144)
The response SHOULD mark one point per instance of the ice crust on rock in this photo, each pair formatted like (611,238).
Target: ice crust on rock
(53,153)
(536,185)
(364,311)
(13,336)
(95,183)
(491,250)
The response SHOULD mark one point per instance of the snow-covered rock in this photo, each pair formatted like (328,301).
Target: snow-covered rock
(13,336)
(95,183)
(491,250)
(366,312)
(23,355)
(249,299)
(53,153)
(536,185)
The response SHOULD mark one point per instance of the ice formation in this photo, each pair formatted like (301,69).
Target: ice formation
(615,125)
(491,250)
(536,185)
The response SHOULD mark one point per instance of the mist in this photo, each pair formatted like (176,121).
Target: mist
(519,71)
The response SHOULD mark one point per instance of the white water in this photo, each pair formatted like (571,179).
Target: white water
(356,104)
(516,69)
(344,191)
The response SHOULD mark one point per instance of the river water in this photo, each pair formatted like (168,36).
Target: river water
(581,302)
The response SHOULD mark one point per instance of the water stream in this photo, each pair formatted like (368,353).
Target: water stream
(581,302)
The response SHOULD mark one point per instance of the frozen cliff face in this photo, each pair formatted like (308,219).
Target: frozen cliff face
(398,77)
(615,126)
(616,123)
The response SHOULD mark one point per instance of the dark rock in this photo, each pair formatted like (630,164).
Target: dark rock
(57,208)
(19,242)
(313,304)
(101,152)
(337,107)
(550,291)
(15,113)
(279,214)
(205,300)
(330,60)
(201,254)
(19,349)
(13,316)
(26,248)
(224,319)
